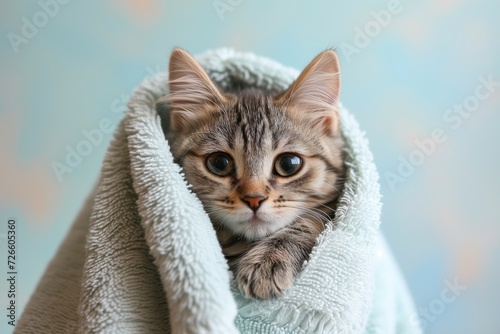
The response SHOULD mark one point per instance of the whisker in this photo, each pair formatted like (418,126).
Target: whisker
(313,212)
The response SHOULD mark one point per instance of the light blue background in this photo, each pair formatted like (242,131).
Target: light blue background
(442,221)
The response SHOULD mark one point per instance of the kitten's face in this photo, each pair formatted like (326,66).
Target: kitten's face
(257,162)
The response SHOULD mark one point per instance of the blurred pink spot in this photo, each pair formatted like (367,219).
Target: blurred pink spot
(421,37)
(415,34)
(447,5)
(141,11)
(469,245)
(28,185)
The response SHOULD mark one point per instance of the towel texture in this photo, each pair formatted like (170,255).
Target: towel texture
(142,256)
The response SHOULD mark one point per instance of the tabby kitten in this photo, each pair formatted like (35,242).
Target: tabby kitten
(268,167)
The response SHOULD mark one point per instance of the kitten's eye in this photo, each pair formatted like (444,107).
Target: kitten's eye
(220,164)
(287,164)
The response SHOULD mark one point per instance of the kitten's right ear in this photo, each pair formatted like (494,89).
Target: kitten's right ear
(191,92)
(314,96)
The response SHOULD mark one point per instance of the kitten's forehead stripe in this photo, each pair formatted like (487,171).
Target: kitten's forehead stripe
(252,114)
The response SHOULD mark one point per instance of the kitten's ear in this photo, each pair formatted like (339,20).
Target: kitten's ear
(314,96)
(191,92)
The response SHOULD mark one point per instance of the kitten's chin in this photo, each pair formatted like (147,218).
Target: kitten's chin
(254,227)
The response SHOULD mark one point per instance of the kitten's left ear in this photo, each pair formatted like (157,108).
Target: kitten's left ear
(191,92)
(314,96)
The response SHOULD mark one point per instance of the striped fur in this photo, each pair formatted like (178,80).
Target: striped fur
(266,248)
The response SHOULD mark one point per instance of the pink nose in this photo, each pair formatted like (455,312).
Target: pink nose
(254,200)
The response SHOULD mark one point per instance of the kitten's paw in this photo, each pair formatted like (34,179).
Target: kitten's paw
(264,277)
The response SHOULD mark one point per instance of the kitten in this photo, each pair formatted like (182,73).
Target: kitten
(268,167)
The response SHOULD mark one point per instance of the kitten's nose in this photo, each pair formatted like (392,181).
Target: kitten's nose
(254,200)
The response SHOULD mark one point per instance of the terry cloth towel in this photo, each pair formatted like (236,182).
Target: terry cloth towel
(142,256)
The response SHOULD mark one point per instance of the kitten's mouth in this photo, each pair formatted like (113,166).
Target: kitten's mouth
(256,220)
(253,225)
